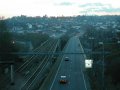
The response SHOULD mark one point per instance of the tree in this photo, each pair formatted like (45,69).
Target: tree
(6,44)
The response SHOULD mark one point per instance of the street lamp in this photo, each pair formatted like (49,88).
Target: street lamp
(13,42)
(103,57)
(118,31)
(101,43)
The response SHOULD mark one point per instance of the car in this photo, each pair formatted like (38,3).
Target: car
(66,58)
(63,80)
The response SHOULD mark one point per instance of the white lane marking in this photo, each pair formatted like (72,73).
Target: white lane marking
(82,49)
(81,67)
(84,79)
(56,73)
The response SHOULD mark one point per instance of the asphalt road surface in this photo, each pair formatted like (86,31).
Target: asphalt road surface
(72,69)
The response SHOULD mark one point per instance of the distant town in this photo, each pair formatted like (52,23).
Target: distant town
(57,26)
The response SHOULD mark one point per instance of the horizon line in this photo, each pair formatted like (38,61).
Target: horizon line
(5,17)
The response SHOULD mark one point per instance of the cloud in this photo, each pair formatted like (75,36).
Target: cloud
(102,10)
(65,4)
(91,4)
(98,8)
(109,10)
(87,5)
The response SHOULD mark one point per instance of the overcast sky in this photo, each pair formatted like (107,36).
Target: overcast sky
(10,8)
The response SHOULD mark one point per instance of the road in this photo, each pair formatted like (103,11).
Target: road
(72,69)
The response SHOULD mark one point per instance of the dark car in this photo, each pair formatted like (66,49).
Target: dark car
(63,80)
(66,58)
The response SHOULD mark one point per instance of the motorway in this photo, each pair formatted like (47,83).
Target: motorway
(72,69)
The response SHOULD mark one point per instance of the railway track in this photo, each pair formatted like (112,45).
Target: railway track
(25,64)
(28,68)
(28,59)
(40,69)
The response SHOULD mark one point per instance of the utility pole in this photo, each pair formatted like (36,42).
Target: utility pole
(103,66)
(11,70)
(103,84)
(12,74)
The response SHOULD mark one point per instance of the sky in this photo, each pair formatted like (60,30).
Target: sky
(9,8)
